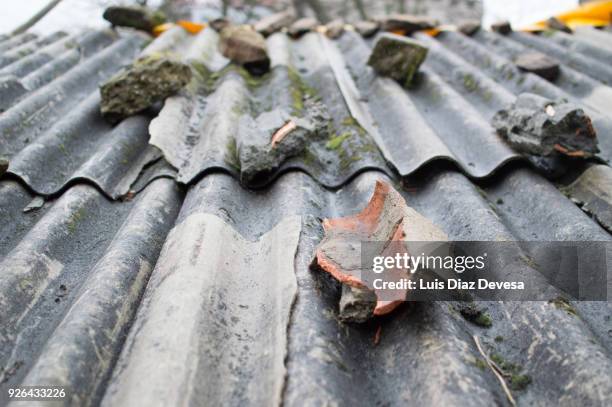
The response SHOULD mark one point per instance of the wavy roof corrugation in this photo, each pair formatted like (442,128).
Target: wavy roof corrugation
(217,301)
(207,285)
(52,132)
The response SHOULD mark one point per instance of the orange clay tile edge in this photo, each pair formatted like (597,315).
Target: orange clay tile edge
(364,222)
(190,27)
(281,133)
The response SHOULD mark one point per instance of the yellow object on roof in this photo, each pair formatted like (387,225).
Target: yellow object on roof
(191,27)
(161,28)
(594,14)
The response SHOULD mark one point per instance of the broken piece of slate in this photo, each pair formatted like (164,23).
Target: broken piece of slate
(407,24)
(138,17)
(397,57)
(539,64)
(245,46)
(148,80)
(276,136)
(389,225)
(538,126)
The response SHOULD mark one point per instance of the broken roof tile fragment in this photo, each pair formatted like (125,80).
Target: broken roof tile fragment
(397,57)
(386,222)
(538,126)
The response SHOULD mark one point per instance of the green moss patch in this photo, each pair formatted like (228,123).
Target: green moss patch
(564,304)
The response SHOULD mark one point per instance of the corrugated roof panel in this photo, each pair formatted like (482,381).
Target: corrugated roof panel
(492,54)
(19,49)
(72,282)
(420,125)
(231,312)
(326,358)
(465,96)
(46,64)
(421,346)
(55,135)
(215,129)
(7,42)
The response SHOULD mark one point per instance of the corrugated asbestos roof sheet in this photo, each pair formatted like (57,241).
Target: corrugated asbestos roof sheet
(200,292)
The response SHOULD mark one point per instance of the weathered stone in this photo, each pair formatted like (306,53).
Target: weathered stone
(538,126)
(367,28)
(219,24)
(140,18)
(245,46)
(276,136)
(148,80)
(502,27)
(557,24)
(397,57)
(539,64)
(274,22)
(4,164)
(407,24)
(469,28)
(356,304)
(302,26)
(334,28)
